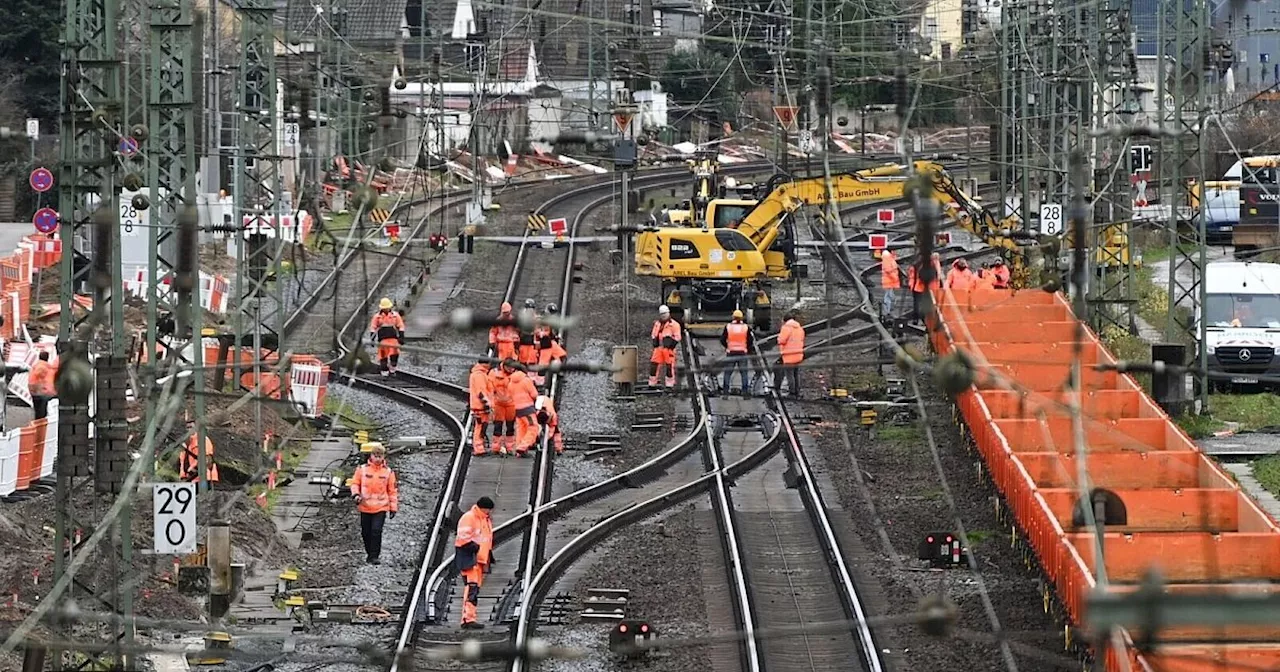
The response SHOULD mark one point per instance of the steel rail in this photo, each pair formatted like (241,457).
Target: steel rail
(431,568)
(744,606)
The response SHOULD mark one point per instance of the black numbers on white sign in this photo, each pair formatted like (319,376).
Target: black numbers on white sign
(128,215)
(181,497)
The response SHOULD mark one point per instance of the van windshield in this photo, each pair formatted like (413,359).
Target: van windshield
(1243,310)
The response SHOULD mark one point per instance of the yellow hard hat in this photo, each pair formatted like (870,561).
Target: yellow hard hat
(737,314)
(385,304)
(373,447)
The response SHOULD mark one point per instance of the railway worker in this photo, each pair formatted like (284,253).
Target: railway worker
(666,338)
(890,281)
(915,280)
(527,352)
(189,458)
(960,278)
(524,397)
(504,337)
(984,279)
(40,385)
(737,340)
(791,346)
(549,352)
(481,393)
(550,421)
(472,554)
(373,487)
(504,411)
(387,328)
(1000,274)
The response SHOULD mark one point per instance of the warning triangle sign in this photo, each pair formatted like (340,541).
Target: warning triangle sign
(786,115)
(622,120)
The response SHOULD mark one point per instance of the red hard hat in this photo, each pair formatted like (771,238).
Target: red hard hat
(506,307)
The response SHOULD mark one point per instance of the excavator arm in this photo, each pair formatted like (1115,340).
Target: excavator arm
(763,224)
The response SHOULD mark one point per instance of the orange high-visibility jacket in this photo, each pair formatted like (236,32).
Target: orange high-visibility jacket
(669,329)
(551,353)
(547,412)
(500,387)
(376,488)
(189,461)
(476,526)
(40,379)
(736,338)
(791,342)
(916,283)
(388,326)
(889,277)
(480,387)
(1001,280)
(523,392)
(960,279)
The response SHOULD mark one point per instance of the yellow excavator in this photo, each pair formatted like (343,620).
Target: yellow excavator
(732,197)
(709,271)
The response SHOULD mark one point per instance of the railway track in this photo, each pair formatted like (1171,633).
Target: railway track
(523,488)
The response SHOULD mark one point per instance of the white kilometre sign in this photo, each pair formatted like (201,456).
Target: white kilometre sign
(292,131)
(1050,218)
(174,505)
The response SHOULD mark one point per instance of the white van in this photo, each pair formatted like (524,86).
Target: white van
(1242,321)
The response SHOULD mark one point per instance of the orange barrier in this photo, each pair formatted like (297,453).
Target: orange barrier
(1183,514)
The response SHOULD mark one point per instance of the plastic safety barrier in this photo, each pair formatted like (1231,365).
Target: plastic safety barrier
(307,385)
(1183,514)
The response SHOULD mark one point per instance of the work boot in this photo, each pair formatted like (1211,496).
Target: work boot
(385,373)
(473,625)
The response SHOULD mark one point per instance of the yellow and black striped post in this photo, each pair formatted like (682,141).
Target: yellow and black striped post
(380,215)
(537,222)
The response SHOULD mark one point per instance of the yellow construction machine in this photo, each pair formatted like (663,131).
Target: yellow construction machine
(709,271)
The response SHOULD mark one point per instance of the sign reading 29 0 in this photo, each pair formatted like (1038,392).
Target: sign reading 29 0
(174,505)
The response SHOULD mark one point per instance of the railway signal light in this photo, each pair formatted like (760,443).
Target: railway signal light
(438,241)
(942,549)
(628,636)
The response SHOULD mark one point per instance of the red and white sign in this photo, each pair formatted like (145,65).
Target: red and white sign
(879,241)
(942,239)
(558,226)
(884,215)
(391,231)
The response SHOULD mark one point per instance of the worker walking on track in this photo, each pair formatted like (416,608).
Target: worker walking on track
(503,338)
(524,397)
(791,347)
(550,421)
(473,554)
(189,459)
(481,393)
(40,385)
(666,338)
(890,282)
(373,487)
(549,350)
(387,328)
(527,352)
(737,341)
(504,411)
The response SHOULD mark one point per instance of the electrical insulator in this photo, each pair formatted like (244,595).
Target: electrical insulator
(304,107)
(823,85)
(901,96)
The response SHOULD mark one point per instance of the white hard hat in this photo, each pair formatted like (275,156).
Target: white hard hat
(664,310)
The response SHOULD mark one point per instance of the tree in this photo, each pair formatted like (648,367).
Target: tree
(700,79)
(29,49)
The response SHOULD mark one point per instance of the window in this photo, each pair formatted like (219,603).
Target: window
(931,28)
(571,53)
(727,214)
(657,23)
(732,241)
(1260,311)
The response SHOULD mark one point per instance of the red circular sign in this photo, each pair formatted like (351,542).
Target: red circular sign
(46,220)
(41,180)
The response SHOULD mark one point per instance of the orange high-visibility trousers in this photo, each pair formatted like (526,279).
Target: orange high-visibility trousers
(480,423)
(472,579)
(527,430)
(388,348)
(662,357)
(504,427)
